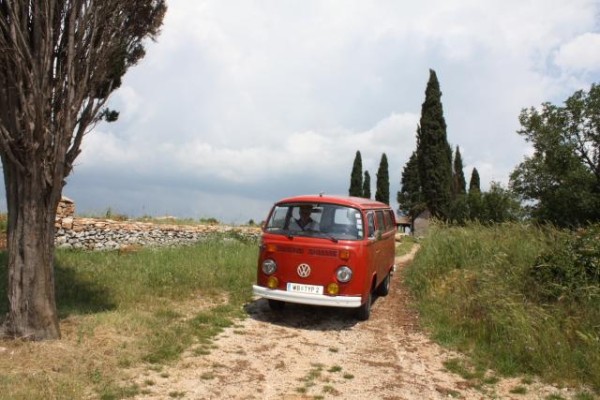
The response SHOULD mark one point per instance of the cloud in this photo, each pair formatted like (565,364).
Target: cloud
(239,103)
(581,53)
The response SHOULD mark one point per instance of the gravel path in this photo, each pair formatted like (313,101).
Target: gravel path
(319,352)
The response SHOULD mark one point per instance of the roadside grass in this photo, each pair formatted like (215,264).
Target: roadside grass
(121,312)
(405,245)
(480,290)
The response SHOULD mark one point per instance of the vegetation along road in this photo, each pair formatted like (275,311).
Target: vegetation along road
(316,353)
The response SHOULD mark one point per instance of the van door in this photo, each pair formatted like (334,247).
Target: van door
(382,246)
(372,247)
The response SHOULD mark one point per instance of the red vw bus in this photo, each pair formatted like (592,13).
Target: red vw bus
(328,251)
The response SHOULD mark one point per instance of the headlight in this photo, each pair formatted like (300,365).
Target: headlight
(269,266)
(343,274)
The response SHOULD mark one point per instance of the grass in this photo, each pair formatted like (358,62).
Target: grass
(120,312)
(405,244)
(475,293)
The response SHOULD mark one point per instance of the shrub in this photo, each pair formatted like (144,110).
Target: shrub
(570,271)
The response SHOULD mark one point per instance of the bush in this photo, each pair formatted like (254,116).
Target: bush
(570,271)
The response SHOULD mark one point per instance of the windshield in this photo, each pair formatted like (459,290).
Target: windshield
(318,220)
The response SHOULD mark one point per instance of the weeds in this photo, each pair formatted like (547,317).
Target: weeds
(478,292)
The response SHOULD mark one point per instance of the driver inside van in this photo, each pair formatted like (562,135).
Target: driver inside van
(305,222)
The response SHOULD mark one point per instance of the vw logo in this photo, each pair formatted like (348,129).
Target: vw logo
(303,270)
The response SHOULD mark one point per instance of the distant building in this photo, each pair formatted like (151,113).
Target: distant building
(421,223)
(403,223)
(418,227)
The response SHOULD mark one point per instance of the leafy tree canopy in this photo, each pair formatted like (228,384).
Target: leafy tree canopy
(560,182)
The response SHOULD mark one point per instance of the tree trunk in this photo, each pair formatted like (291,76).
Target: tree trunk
(31,293)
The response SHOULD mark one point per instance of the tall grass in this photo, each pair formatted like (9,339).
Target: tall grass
(121,311)
(478,291)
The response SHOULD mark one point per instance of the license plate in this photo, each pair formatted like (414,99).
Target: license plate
(310,289)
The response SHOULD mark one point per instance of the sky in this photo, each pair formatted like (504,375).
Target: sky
(240,103)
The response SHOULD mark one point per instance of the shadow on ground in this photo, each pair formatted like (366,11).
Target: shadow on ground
(73,295)
(302,316)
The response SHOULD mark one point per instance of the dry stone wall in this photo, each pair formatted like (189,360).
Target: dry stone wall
(106,234)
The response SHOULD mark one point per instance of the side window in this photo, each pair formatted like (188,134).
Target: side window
(380,221)
(389,222)
(393,218)
(371,224)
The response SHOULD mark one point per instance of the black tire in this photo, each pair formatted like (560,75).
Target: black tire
(276,305)
(364,311)
(384,287)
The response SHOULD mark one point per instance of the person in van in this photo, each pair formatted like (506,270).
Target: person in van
(305,221)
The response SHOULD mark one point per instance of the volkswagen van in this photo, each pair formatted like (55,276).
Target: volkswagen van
(341,255)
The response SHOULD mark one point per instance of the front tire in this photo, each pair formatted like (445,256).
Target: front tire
(384,287)
(364,311)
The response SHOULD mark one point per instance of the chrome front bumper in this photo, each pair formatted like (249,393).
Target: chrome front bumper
(310,299)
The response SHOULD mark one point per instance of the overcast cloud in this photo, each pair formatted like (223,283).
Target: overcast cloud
(240,103)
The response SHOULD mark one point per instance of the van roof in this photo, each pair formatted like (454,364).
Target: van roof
(357,202)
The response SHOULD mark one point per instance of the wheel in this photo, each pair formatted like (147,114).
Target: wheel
(364,311)
(384,287)
(276,305)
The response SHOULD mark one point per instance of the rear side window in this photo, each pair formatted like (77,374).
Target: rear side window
(380,220)
(389,223)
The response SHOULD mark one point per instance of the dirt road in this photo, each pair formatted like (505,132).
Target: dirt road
(309,352)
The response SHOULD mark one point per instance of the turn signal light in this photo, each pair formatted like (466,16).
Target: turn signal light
(271,248)
(272,282)
(333,289)
(345,254)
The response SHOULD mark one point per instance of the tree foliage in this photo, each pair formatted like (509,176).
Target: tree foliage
(356,182)
(560,182)
(459,185)
(367,186)
(459,208)
(59,62)
(474,183)
(497,205)
(383,181)
(434,154)
(410,199)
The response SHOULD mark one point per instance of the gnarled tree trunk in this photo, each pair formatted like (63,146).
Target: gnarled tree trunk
(31,210)
(59,62)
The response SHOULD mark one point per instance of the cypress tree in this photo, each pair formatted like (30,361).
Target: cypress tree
(459,185)
(367,186)
(475,201)
(434,153)
(356,182)
(410,200)
(474,182)
(383,181)
(459,210)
